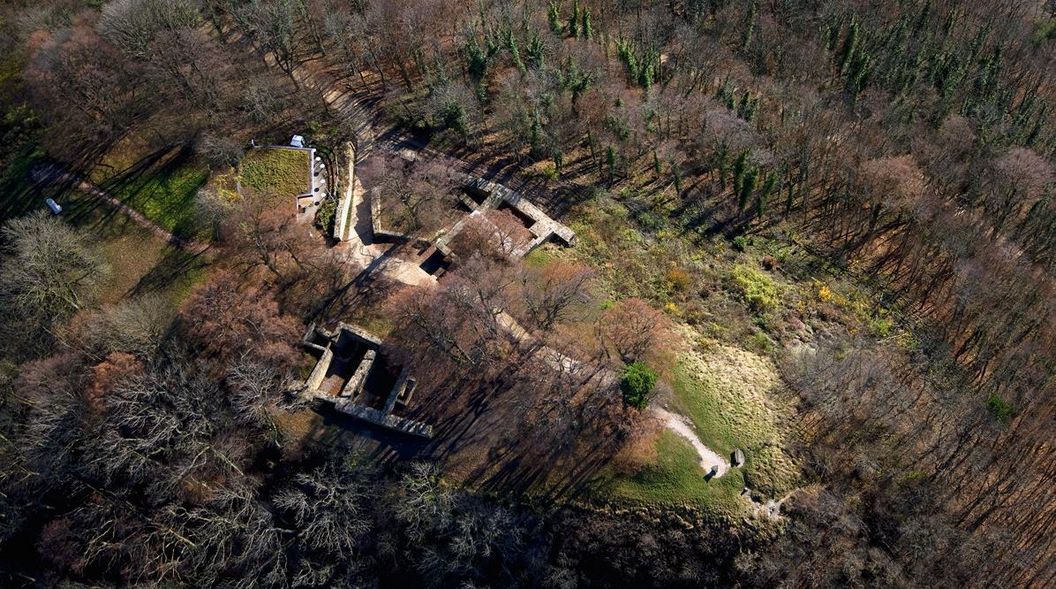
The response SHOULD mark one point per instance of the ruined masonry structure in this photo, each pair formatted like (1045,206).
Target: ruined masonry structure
(355,377)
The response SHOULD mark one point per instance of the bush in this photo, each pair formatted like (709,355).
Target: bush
(757,289)
(1000,408)
(324,217)
(637,383)
(679,279)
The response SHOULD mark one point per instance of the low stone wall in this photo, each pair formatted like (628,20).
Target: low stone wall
(347,400)
(397,391)
(541,227)
(380,233)
(315,380)
(359,377)
(344,209)
(393,422)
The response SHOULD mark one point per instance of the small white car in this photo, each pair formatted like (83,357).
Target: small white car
(53,206)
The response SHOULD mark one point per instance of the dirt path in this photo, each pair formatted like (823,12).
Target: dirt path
(681,426)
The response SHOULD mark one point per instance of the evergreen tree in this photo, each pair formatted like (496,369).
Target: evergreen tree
(629,59)
(535,52)
(645,75)
(515,53)
(722,159)
(747,187)
(573,21)
(749,31)
(764,193)
(477,59)
(535,137)
(553,15)
(850,44)
(740,166)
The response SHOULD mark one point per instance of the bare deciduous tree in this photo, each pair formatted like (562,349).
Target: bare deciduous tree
(634,329)
(49,271)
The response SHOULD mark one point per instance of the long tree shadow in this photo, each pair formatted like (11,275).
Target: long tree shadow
(153,184)
(547,475)
(173,267)
(380,445)
(44,178)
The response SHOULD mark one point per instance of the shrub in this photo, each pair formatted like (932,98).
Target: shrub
(637,383)
(881,327)
(1000,408)
(679,279)
(324,217)
(757,289)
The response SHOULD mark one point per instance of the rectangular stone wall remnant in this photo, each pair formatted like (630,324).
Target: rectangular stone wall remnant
(315,380)
(355,384)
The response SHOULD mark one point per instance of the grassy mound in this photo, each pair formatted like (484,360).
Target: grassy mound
(730,395)
(676,477)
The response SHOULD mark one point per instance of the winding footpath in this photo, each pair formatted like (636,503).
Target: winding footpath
(680,425)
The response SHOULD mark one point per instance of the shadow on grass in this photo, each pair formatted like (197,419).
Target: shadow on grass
(176,267)
(162,186)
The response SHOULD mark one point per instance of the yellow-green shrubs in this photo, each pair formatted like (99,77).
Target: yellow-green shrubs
(756,288)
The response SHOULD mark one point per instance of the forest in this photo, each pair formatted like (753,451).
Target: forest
(818,233)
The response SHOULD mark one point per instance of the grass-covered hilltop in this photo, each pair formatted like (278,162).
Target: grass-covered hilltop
(571,293)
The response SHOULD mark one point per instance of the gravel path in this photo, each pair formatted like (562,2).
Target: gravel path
(681,426)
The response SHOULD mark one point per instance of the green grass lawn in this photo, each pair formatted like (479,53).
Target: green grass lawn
(539,257)
(275,172)
(730,396)
(167,198)
(139,261)
(676,477)
(162,185)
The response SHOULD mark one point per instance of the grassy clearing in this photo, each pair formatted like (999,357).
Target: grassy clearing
(730,395)
(141,263)
(676,477)
(540,257)
(275,172)
(162,186)
(728,392)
